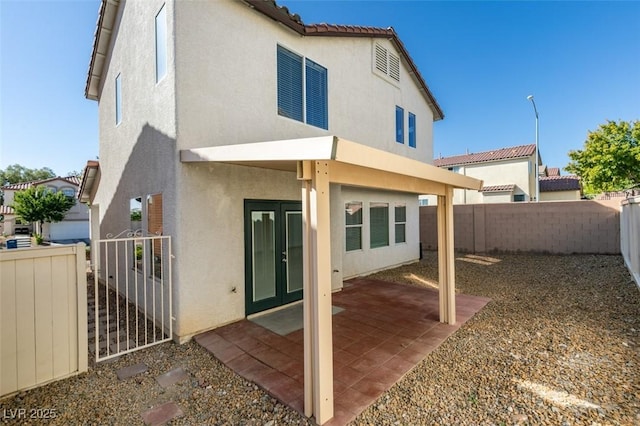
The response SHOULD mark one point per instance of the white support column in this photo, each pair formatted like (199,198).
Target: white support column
(307,303)
(318,331)
(446,258)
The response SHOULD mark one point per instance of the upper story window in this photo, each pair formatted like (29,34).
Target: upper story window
(386,62)
(412,130)
(118,100)
(454,169)
(399,124)
(302,89)
(161,43)
(69,192)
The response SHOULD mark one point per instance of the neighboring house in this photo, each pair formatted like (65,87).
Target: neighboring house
(554,187)
(508,175)
(188,94)
(74,226)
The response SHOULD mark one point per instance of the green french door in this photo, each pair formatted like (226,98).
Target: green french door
(273,253)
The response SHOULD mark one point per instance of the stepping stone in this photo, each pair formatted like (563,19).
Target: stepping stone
(161,414)
(131,370)
(172,377)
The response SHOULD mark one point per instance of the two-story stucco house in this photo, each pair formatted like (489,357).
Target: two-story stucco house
(74,226)
(284,156)
(508,175)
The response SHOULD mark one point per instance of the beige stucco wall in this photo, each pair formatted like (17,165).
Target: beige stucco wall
(367,260)
(221,89)
(559,196)
(557,227)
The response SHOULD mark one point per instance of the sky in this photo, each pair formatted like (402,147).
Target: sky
(580,60)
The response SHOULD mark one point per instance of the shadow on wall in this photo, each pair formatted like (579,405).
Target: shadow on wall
(548,227)
(150,169)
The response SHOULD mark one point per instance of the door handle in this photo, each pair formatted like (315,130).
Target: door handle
(284,256)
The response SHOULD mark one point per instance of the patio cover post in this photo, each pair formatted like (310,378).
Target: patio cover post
(318,330)
(446,259)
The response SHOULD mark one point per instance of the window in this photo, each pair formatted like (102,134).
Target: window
(118,100)
(379,224)
(399,124)
(302,102)
(423,202)
(386,62)
(454,169)
(518,197)
(412,130)
(69,192)
(161,44)
(353,222)
(401,223)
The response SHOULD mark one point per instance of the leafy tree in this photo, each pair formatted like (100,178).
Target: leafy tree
(17,174)
(40,204)
(610,160)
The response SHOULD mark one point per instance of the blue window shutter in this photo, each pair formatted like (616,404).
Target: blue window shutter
(289,84)
(316,92)
(412,130)
(399,124)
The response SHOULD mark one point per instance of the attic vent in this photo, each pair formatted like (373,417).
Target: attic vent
(386,62)
(381,58)
(394,67)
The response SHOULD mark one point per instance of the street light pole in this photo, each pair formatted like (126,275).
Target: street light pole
(537,171)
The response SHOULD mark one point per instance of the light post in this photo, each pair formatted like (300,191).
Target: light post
(537,171)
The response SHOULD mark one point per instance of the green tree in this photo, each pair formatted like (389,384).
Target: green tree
(17,174)
(39,204)
(610,160)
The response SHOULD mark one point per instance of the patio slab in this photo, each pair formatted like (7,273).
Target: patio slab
(384,331)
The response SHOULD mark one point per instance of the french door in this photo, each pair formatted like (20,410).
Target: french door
(273,253)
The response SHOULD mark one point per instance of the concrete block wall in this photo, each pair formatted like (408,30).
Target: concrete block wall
(545,227)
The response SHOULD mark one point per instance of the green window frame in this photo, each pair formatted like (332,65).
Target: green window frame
(378,224)
(353,225)
(400,217)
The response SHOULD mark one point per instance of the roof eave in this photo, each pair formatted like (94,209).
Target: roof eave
(101,41)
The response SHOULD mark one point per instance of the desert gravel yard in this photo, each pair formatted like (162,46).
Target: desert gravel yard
(558,345)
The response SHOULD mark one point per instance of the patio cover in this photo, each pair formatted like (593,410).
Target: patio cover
(319,162)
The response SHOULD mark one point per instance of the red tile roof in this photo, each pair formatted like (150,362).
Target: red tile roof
(73,180)
(486,156)
(498,188)
(559,183)
(6,210)
(553,171)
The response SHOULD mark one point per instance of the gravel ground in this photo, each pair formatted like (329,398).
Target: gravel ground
(558,345)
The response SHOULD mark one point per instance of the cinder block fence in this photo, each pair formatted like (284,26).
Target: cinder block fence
(545,227)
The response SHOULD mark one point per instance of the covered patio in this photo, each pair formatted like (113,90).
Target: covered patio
(375,343)
(319,162)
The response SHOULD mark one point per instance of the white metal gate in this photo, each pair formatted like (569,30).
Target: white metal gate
(132,294)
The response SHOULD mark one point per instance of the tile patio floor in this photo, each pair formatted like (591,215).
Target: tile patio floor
(384,331)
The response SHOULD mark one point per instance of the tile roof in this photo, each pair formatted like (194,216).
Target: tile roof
(73,180)
(498,188)
(6,210)
(271,9)
(553,171)
(486,156)
(559,183)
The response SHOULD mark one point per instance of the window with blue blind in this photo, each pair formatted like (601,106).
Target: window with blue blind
(399,124)
(302,89)
(316,76)
(412,130)
(289,84)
